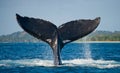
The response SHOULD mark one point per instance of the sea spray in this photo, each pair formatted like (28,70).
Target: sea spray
(86,49)
(102,64)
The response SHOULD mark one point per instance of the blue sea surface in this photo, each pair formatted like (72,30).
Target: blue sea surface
(76,58)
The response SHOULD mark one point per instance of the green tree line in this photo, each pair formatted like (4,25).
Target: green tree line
(95,36)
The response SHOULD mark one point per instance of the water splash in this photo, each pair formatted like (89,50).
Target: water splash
(86,49)
(92,63)
(49,63)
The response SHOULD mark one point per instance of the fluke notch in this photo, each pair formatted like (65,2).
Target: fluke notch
(57,37)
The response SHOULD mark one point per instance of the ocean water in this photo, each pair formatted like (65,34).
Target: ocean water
(76,58)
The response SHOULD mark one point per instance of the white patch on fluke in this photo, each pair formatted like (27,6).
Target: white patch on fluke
(49,40)
(66,41)
(56,42)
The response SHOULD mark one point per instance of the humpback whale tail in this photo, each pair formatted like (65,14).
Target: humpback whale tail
(55,36)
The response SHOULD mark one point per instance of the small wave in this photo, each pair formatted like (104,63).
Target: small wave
(93,63)
(26,62)
(75,62)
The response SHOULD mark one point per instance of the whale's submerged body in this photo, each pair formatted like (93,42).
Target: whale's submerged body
(57,37)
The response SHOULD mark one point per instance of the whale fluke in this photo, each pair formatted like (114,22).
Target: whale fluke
(55,36)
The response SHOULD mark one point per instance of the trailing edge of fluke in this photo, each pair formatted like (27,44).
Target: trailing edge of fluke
(55,36)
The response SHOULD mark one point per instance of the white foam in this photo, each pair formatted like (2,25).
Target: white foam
(93,63)
(26,62)
(75,62)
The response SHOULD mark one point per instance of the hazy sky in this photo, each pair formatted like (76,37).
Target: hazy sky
(59,12)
